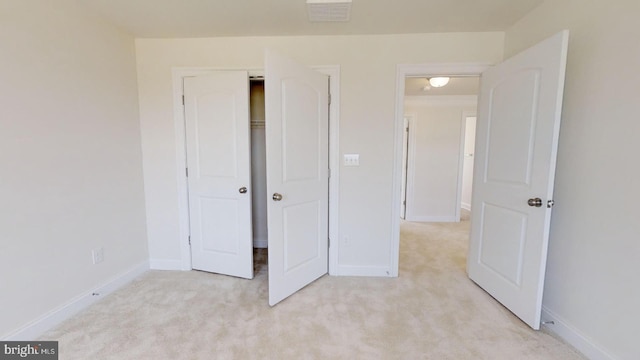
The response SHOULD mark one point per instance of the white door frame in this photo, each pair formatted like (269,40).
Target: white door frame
(402,71)
(178,74)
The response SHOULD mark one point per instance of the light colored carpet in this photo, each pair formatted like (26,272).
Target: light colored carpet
(432,311)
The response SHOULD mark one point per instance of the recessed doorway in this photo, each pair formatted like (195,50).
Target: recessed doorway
(437,120)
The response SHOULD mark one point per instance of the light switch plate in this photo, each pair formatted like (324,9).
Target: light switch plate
(351,159)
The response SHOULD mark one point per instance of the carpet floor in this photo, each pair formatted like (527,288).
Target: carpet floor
(431,311)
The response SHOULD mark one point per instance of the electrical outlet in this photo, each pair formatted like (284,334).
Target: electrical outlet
(97,255)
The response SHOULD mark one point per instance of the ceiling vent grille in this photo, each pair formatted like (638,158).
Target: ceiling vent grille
(329,10)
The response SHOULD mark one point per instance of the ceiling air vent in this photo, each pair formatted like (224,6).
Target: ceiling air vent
(329,10)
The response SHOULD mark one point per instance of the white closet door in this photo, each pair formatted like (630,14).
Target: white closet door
(297,114)
(517,139)
(218,160)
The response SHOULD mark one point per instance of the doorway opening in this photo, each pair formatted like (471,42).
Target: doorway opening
(436,157)
(258,163)
(438,120)
(437,168)
(258,175)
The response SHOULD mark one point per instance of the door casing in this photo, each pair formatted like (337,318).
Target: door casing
(178,74)
(402,71)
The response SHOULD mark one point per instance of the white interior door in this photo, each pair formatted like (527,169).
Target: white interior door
(218,160)
(297,114)
(517,137)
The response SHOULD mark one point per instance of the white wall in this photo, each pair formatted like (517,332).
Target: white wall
(70,158)
(368,70)
(592,288)
(435,146)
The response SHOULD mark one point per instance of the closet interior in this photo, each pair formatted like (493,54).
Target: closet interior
(258,162)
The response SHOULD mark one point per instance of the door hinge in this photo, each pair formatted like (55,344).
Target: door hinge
(329,98)
(329,173)
(550,204)
(328,242)
(406,129)
(186,171)
(183,100)
(189,239)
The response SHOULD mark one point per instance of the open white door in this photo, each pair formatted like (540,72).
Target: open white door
(218,160)
(517,138)
(297,114)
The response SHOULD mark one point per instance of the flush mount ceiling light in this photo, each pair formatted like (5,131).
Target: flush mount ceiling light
(329,10)
(440,81)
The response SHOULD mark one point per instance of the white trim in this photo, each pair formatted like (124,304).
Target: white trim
(166,264)
(451,69)
(465,206)
(402,71)
(367,271)
(178,73)
(433,218)
(444,100)
(572,336)
(55,317)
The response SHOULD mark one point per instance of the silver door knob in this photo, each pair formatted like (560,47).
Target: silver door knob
(277,197)
(243,190)
(537,202)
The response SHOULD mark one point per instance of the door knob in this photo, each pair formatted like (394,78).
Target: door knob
(537,202)
(243,190)
(277,197)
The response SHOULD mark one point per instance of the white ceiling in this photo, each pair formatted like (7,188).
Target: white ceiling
(456,86)
(210,18)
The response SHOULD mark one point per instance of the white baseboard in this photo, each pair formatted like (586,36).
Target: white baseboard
(572,336)
(162,264)
(262,243)
(37,327)
(432,218)
(372,271)
(466,206)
